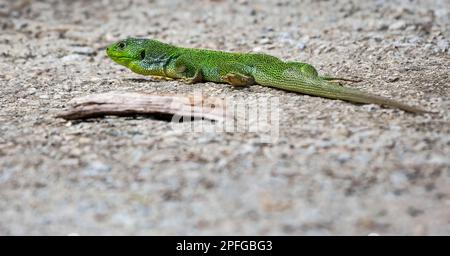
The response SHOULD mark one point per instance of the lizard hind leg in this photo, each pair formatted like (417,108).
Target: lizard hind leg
(235,74)
(185,71)
(304,68)
(308,69)
(237,79)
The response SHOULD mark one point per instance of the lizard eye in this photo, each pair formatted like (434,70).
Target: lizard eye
(121,45)
(142,54)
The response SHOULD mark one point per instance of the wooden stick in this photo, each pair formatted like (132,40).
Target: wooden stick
(132,103)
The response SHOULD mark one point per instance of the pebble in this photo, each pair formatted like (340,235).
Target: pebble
(393,79)
(443,45)
(71,58)
(344,157)
(415,40)
(265,41)
(397,25)
(31,91)
(301,46)
(84,51)
(399,180)
(96,168)
(257,49)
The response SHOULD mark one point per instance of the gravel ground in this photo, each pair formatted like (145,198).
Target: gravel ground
(334,168)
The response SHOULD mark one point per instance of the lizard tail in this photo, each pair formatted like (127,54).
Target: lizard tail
(317,86)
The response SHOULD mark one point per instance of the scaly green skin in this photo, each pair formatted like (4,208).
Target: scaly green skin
(151,57)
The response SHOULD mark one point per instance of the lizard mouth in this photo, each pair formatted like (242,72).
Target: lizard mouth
(117,56)
(120,59)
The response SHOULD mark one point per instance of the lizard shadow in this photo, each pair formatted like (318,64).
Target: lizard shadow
(164,117)
(139,80)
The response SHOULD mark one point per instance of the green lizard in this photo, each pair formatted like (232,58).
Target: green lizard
(154,58)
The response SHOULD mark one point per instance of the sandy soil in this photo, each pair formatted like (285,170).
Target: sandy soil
(336,167)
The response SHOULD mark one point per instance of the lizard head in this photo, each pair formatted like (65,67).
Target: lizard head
(142,56)
(127,52)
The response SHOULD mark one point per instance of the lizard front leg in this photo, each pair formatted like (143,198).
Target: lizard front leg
(195,78)
(184,70)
